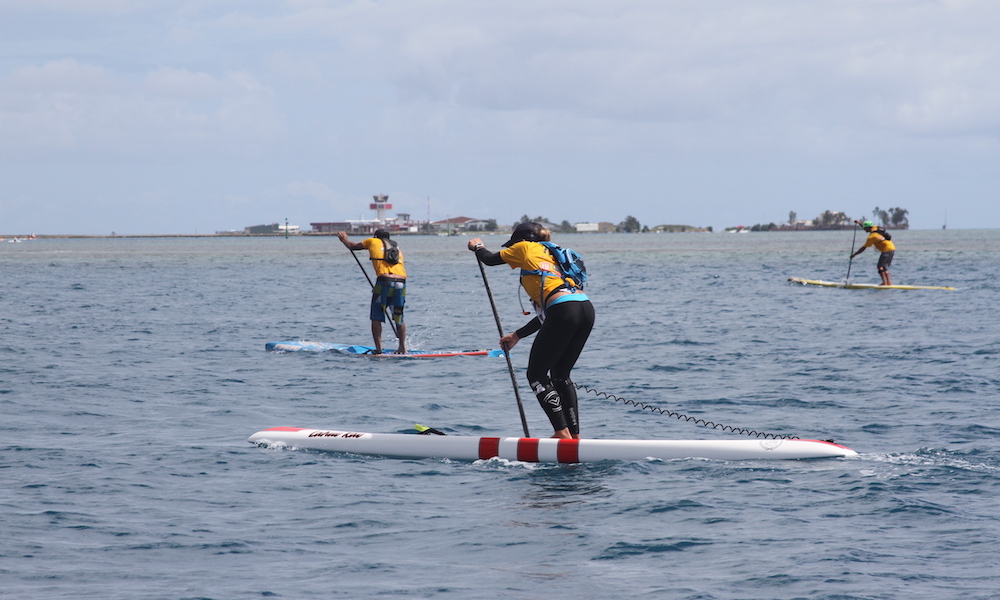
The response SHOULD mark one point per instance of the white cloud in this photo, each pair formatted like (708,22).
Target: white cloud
(419,96)
(181,83)
(60,76)
(758,70)
(772,73)
(66,105)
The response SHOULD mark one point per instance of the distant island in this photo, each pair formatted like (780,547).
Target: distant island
(893,218)
(402,224)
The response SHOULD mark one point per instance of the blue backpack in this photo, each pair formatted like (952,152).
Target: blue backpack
(570,264)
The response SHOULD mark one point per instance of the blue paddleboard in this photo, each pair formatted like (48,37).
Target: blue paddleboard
(353,349)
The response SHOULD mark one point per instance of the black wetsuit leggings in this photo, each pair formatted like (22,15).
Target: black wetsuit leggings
(554,352)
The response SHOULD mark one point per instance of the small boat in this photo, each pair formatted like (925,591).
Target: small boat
(402,445)
(357,350)
(864,286)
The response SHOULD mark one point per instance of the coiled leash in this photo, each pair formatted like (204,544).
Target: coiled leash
(682,417)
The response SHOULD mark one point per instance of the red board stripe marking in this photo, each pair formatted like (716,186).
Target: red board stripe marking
(285,429)
(489,447)
(527,449)
(568,451)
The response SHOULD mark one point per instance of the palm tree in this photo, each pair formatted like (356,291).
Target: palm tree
(898,218)
(894,217)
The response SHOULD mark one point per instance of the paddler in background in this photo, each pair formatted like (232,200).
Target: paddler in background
(883,243)
(389,289)
(565,319)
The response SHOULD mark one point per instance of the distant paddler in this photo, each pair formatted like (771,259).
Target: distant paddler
(882,241)
(389,289)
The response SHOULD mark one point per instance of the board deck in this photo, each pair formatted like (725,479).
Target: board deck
(864,286)
(401,445)
(358,350)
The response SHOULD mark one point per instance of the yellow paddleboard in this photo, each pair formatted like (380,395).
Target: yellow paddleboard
(865,286)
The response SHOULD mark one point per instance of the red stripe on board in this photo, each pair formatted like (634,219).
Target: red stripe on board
(527,449)
(568,451)
(285,429)
(489,447)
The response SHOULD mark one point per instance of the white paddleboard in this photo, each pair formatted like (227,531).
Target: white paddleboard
(400,445)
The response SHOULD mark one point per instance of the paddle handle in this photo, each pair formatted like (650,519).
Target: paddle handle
(510,366)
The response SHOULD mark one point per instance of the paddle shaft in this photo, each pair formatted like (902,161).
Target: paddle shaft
(851,260)
(510,366)
(384,309)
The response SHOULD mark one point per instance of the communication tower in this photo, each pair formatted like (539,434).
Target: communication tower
(380,205)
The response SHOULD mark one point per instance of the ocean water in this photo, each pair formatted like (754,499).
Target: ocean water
(133,370)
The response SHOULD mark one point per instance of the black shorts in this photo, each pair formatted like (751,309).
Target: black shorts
(885,260)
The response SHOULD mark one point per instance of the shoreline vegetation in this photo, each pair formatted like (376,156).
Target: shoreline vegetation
(302,234)
(893,218)
(41,236)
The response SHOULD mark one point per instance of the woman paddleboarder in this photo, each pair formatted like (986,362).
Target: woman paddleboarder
(882,242)
(389,289)
(564,320)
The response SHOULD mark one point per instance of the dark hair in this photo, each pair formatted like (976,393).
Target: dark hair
(381,233)
(528,232)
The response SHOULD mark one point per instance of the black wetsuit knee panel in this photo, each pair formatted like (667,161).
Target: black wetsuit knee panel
(551,403)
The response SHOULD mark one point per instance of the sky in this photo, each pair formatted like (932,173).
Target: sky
(144,117)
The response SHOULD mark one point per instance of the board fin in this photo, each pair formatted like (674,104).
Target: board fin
(425,430)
